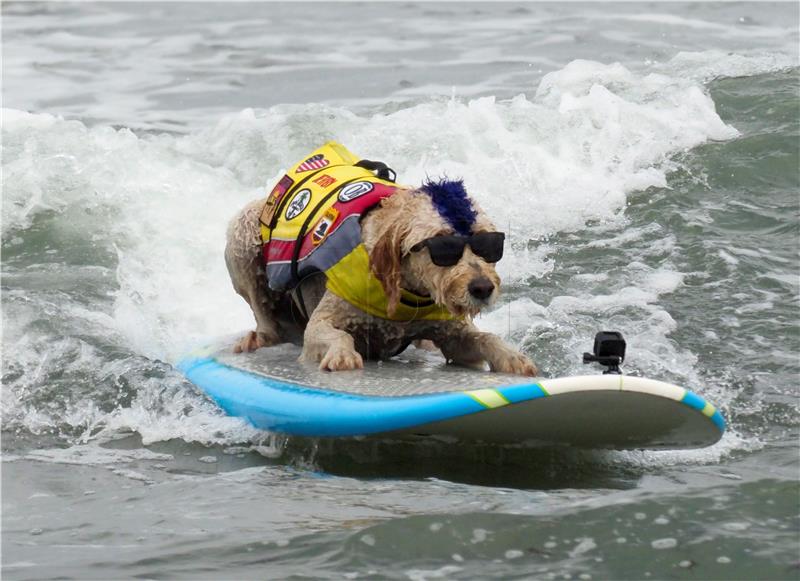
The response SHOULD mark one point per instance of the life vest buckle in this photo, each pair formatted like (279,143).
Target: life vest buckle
(382,170)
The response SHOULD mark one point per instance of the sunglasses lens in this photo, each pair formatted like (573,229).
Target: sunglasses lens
(446,250)
(488,245)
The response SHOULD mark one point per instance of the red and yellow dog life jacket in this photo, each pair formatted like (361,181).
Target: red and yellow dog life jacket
(310,224)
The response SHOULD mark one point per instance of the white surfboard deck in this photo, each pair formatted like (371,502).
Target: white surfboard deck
(416,394)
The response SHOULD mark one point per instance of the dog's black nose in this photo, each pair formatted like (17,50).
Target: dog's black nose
(481,288)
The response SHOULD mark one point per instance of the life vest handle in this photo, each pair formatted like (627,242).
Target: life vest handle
(382,170)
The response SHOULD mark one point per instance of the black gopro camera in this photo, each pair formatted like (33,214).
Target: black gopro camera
(609,351)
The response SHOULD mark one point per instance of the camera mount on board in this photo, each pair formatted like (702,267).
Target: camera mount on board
(609,350)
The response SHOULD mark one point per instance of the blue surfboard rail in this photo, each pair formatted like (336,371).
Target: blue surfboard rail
(271,404)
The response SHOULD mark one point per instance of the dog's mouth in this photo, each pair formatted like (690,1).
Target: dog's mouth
(467,305)
(421,293)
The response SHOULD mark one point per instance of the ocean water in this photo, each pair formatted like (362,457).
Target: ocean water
(643,159)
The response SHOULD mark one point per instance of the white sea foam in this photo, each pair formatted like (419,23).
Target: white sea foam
(731,442)
(445,572)
(665,543)
(95,455)
(711,64)
(157,415)
(584,546)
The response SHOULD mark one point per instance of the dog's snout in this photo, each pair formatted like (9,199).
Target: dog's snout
(481,288)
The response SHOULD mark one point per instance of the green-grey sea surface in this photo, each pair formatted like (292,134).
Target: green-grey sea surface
(643,159)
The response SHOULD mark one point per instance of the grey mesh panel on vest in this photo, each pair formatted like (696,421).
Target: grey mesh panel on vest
(336,246)
(279,275)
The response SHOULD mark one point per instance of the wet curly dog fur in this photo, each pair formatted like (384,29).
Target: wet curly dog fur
(338,335)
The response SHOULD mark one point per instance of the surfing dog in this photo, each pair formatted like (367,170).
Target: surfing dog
(408,264)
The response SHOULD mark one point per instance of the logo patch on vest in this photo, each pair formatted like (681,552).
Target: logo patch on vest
(323,227)
(355,190)
(325,180)
(274,199)
(314,162)
(298,204)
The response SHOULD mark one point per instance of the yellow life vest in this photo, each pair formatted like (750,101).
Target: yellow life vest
(311,223)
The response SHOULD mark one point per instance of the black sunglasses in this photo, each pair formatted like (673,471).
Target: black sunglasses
(447,250)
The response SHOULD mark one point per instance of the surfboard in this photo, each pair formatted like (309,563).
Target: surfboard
(418,395)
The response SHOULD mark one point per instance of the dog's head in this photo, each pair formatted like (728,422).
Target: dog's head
(414,238)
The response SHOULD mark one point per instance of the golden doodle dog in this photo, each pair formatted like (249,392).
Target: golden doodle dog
(360,267)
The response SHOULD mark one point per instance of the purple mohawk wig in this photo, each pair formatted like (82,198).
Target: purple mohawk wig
(450,199)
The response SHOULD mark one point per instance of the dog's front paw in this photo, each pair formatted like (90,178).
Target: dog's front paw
(513,362)
(341,359)
(252,341)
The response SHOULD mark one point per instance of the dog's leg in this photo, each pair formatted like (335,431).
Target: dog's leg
(324,341)
(266,332)
(462,343)
(246,268)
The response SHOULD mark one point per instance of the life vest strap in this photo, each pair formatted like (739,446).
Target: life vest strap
(301,233)
(287,196)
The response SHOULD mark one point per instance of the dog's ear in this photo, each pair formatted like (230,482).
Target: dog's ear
(385,259)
